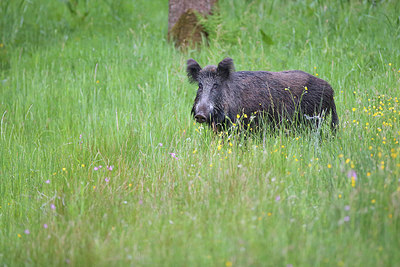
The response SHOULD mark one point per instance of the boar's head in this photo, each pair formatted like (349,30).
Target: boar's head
(209,102)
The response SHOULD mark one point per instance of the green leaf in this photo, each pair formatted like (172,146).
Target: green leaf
(266,38)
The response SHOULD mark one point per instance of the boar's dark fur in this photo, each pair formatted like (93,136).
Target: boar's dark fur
(292,96)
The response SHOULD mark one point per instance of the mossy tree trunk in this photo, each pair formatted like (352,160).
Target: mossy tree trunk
(183,26)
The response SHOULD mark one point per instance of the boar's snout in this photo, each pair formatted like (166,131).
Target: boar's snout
(200,118)
(202,112)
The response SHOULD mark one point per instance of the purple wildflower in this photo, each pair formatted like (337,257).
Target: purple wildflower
(278,198)
(173,155)
(100,166)
(27,231)
(48,181)
(140,202)
(95,168)
(347,218)
(45,226)
(347,207)
(160,144)
(53,207)
(352,174)
(107,179)
(110,168)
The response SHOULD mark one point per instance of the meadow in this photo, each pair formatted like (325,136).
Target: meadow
(102,164)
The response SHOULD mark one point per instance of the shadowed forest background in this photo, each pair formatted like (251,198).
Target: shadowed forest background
(101,162)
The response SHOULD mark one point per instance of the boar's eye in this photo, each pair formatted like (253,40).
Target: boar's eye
(200,86)
(215,85)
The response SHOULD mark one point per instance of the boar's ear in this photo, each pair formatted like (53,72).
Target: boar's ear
(225,68)
(193,69)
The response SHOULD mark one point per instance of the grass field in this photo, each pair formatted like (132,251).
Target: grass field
(101,163)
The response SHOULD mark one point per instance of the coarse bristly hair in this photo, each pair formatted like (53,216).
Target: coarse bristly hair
(223,94)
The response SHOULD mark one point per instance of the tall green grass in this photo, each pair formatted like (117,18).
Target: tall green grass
(106,89)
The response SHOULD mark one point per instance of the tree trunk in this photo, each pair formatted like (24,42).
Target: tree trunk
(183,26)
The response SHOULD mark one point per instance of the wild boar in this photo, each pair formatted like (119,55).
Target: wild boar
(225,95)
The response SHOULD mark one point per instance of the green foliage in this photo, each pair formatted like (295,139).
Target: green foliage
(218,30)
(106,89)
(266,38)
